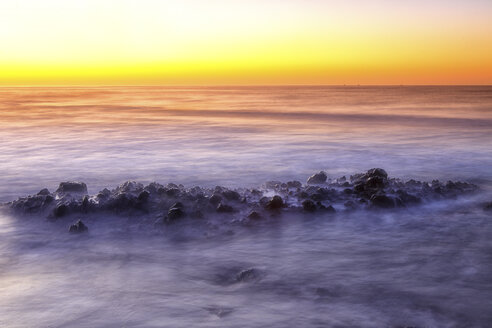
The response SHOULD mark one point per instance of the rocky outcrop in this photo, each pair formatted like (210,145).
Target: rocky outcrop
(371,190)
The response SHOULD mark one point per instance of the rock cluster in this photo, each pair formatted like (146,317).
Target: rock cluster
(170,203)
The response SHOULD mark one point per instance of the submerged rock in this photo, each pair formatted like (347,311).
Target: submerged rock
(248,275)
(78,227)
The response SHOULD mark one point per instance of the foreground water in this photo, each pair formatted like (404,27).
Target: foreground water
(427,266)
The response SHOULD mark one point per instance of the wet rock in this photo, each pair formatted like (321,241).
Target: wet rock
(122,202)
(308,206)
(382,201)
(44,192)
(377,172)
(143,196)
(375,182)
(215,199)
(173,192)
(360,187)
(275,203)
(231,195)
(103,194)
(174,214)
(85,204)
(318,178)
(60,211)
(78,227)
(48,199)
(129,187)
(224,208)
(254,216)
(153,187)
(72,187)
(177,205)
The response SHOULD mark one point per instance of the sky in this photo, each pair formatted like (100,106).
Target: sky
(248,42)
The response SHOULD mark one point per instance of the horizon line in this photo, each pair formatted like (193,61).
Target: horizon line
(235,85)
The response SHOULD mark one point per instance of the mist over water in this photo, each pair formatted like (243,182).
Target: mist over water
(428,266)
(239,136)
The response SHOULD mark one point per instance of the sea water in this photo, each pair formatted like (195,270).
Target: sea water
(428,266)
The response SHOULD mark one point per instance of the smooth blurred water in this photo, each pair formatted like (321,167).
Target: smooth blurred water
(239,136)
(428,266)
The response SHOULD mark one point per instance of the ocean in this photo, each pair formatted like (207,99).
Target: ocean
(425,266)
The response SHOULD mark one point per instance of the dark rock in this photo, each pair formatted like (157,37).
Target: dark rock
(317,197)
(382,201)
(308,206)
(143,196)
(224,208)
(360,187)
(488,207)
(215,199)
(174,214)
(104,194)
(78,227)
(303,195)
(275,203)
(254,215)
(48,199)
(377,172)
(153,187)
(85,204)
(122,202)
(173,192)
(375,182)
(231,195)
(129,187)
(72,187)
(44,192)
(177,205)
(318,178)
(60,210)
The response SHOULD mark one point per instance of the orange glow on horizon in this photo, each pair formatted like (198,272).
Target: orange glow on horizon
(215,42)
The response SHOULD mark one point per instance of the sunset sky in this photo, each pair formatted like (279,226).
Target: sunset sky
(152,42)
